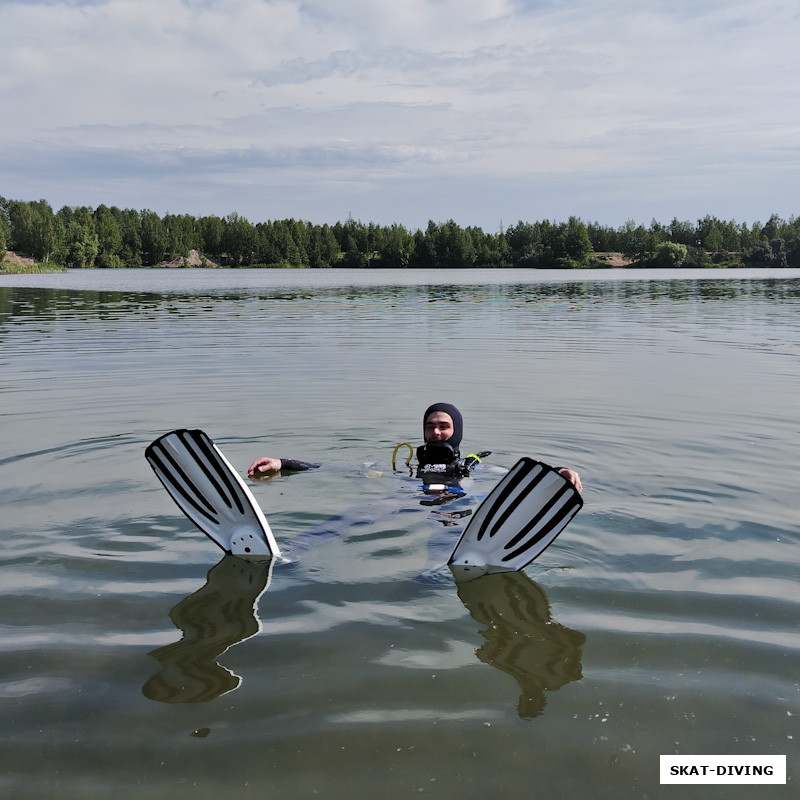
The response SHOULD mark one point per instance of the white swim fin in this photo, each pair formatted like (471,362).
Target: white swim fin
(211,493)
(516,522)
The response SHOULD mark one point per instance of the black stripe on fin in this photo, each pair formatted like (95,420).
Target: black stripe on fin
(533,481)
(203,443)
(525,466)
(556,524)
(157,455)
(537,518)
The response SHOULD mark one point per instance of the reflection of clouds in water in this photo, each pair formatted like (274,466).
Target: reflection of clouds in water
(521,637)
(219,615)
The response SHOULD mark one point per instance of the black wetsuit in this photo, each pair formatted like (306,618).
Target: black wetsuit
(294,465)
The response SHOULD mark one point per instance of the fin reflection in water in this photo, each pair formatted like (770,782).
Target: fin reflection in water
(521,637)
(216,617)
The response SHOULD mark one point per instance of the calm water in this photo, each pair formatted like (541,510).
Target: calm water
(136,662)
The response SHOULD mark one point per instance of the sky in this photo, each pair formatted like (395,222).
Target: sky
(486,112)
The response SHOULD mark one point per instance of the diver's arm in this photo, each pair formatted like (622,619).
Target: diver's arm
(294,465)
(267,464)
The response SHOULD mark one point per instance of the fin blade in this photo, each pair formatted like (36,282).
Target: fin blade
(516,522)
(211,493)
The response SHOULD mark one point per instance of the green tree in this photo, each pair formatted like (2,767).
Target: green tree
(130,223)
(524,243)
(669,254)
(793,252)
(714,242)
(109,237)
(490,251)
(211,230)
(603,238)
(154,240)
(81,245)
(696,257)
(395,247)
(771,230)
(5,227)
(716,235)
(353,257)
(424,253)
(353,238)
(766,254)
(301,235)
(182,235)
(278,244)
(34,230)
(577,244)
(78,243)
(779,254)
(658,234)
(636,242)
(730,237)
(323,249)
(329,246)
(454,248)
(239,240)
(682,232)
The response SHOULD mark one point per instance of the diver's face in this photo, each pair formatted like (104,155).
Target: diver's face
(438,427)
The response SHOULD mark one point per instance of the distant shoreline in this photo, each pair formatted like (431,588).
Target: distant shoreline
(18,264)
(105,237)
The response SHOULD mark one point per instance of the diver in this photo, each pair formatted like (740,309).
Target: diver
(528,509)
(439,462)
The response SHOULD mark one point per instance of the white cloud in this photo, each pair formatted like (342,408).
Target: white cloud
(264,106)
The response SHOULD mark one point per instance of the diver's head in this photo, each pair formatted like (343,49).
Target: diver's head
(442,422)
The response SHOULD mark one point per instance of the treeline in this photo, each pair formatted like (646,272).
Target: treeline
(109,237)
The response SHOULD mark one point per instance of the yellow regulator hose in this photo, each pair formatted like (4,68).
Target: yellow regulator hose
(410,454)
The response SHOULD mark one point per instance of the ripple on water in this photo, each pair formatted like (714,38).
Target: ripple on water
(663,619)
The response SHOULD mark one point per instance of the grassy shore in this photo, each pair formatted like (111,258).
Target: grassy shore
(14,264)
(24,269)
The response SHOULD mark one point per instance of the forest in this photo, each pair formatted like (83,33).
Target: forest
(111,238)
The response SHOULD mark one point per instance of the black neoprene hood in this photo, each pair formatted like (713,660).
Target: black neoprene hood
(458,423)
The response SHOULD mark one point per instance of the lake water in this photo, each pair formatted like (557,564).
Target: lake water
(138,662)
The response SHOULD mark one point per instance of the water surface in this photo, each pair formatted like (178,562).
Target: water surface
(139,662)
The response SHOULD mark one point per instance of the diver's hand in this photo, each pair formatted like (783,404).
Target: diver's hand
(573,477)
(263,465)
